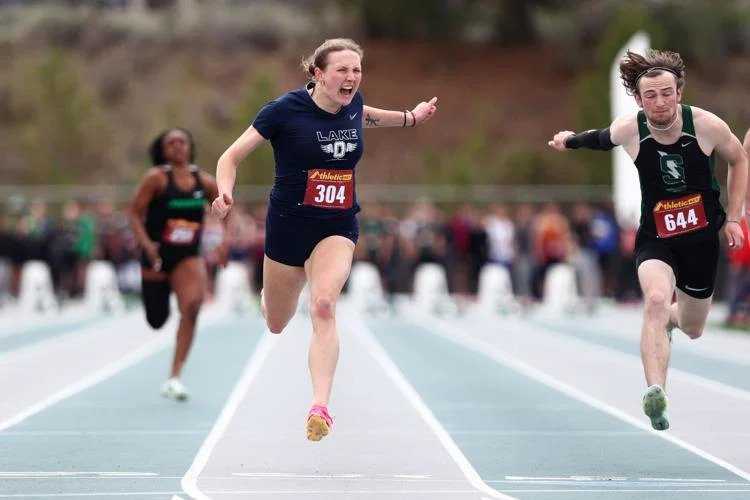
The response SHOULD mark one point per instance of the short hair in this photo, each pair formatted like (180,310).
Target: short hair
(635,66)
(156,149)
(319,57)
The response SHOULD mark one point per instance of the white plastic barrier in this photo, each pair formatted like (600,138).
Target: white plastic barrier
(233,288)
(365,288)
(560,290)
(36,294)
(101,292)
(496,290)
(431,289)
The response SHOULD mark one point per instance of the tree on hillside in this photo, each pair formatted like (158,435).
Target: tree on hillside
(61,134)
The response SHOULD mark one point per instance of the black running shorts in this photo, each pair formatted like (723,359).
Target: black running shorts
(693,258)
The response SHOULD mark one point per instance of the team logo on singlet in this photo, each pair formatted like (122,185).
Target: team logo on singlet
(337,142)
(672,172)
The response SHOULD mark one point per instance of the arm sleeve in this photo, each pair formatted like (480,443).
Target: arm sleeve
(268,121)
(600,140)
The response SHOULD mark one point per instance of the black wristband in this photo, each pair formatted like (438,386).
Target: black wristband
(599,140)
(404,125)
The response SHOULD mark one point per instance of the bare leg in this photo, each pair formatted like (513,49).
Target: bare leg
(189,284)
(691,314)
(657,282)
(327,269)
(282,285)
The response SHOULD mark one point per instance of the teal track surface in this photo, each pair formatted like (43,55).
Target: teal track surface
(725,371)
(28,336)
(120,438)
(123,425)
(510,425)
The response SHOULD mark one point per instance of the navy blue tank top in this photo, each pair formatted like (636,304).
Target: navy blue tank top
(309,141)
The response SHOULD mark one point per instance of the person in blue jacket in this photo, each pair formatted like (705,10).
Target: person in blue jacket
(311,226)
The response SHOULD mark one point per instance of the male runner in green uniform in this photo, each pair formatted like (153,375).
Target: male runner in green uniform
(674,147)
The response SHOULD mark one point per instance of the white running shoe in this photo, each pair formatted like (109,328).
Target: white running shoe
(655,407)
(173,389)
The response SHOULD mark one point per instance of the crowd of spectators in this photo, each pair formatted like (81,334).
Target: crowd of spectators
(525,238)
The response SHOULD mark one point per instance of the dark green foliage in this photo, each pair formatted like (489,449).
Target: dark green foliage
(59,129)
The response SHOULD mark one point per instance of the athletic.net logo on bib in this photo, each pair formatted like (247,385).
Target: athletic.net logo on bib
(329,188)
(180,232)
(679,216)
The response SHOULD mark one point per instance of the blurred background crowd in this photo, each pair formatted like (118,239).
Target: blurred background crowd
(88,83)
(525,238)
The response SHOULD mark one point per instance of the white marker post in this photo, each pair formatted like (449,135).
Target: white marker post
(626,191)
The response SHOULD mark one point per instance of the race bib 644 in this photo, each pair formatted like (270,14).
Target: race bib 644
(680,216)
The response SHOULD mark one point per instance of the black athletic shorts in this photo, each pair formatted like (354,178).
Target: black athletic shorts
(692,257)
(291,239)
(170,257)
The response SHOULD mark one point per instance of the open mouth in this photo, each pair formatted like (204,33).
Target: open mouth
(346,91)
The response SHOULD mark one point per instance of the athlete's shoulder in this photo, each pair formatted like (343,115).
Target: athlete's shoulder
(209,182)
(155,179)
(156,173)
(705,115)
(205,176)
(707,122)
(624,129)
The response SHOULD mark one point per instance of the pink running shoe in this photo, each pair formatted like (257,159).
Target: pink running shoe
(319,423)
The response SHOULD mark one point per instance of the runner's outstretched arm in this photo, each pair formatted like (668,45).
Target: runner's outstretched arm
(374,117)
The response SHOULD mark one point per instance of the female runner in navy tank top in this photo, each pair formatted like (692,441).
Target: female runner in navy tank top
(311,227)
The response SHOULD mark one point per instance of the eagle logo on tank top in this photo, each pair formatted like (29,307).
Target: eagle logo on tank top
(672,172)
(339,148)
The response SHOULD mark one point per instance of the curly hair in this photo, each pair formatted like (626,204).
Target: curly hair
(635,66)
(156,149)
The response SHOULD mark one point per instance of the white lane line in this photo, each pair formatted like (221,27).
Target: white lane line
(335,476)
(674,373)
(414,493)
(410,493)
(37,474)
(189,482)
(298,476)
(629,490)
(134,357)
(89,494)
(676,480)
(398,378)
(486,349)
(565,478)
(349,493)
(160,432)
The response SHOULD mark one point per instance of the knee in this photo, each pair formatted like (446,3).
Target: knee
(275,327)
(191,307)
(692,331)
(656,303)
(322,308)
(157,317)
